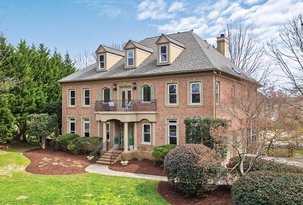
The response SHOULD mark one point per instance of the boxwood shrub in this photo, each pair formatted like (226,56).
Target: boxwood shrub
(62,141)
(160,152)
(268,188)
(264,165)
(85,145)
(193,169)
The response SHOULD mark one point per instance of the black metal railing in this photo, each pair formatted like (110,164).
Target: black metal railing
(125,105)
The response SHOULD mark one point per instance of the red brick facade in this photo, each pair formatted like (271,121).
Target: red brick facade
(163,112)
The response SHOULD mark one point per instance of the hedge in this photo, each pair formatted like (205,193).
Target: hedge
(85,145)
(264,165)
(160,152)
(268,188)
(62,141)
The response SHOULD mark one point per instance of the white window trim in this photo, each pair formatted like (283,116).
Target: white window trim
(168,132)
(142,93)
(100,61)
(168,94)
(190,93)
(150,133)
(69,97)
(70,119)
(165,45)
(108,131)
(83,95)
(131,50)
(85,120)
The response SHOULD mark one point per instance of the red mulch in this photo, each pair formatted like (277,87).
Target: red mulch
(220,196)
(141,167)
(53,162)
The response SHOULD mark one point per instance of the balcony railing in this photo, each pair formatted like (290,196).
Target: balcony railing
(125,105)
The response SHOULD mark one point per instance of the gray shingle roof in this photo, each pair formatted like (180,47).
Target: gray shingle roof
(111,50)
(198,56)
(138,45)
(173,41)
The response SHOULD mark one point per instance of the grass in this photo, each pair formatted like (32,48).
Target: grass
(298,152)
(71,189)
(284,152)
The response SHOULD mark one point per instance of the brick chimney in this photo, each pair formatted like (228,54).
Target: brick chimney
(222,45)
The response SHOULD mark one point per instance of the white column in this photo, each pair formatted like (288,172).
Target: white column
(104,135)
(135,136)
(125,136)
(154,133)
(99,133)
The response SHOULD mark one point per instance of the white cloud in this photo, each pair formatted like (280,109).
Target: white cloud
(103,7)
(158,9)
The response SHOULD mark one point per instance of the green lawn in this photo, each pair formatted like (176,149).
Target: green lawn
(70,189)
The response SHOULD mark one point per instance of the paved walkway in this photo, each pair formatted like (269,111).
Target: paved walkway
(291,161)
(104,170)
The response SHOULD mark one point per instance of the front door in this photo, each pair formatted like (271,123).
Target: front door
(125,96)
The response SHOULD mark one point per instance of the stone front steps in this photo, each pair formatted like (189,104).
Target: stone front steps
(109,157)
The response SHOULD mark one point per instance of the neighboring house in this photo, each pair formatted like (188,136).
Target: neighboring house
(146,91)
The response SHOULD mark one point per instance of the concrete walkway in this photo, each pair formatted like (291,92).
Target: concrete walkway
(291,161)
(104,170)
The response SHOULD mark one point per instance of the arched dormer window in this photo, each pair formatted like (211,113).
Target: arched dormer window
(146,93)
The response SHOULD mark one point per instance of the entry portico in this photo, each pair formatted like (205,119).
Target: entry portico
(128,119)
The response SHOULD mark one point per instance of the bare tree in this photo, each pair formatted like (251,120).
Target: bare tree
(85,59)
(245,51)
(249,112)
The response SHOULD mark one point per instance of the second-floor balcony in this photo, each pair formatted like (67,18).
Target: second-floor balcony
(125,106)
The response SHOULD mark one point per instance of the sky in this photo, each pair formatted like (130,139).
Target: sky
(79,26)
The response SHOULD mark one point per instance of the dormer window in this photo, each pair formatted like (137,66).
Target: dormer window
(130,58)
(163,53)
(101,61)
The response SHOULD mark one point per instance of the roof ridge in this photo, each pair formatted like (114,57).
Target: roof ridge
(195,36)
(179,32)
(111,47)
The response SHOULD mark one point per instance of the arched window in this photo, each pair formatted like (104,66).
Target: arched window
(146,93)
(106,94)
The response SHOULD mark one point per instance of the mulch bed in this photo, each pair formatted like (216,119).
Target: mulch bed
(140,167)
(51,162)
(220,196)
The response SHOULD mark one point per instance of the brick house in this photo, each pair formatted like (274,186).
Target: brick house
(145,92)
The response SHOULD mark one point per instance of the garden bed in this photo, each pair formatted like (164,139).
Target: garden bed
(51,162)
(220,196)
(139,167)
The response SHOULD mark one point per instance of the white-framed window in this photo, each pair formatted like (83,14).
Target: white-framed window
(86,127)
(146,93)
(217,92)
(71,97)
(130,57)
(108,131)
(86,97)
(101,61)
(195,92)
(72,125)
(106,94)
(163,53)
(172,132)
(172,93)
(146,133)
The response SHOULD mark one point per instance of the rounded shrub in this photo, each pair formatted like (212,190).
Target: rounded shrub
(193,169)
(84,145)
(62,142)
(268,188)
(160,152)
(264,165)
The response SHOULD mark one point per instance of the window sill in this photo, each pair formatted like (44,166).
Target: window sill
(146,143)
(85,106)
(71,106)
(195,105)
(171,105)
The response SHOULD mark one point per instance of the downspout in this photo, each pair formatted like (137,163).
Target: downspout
(214,92)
